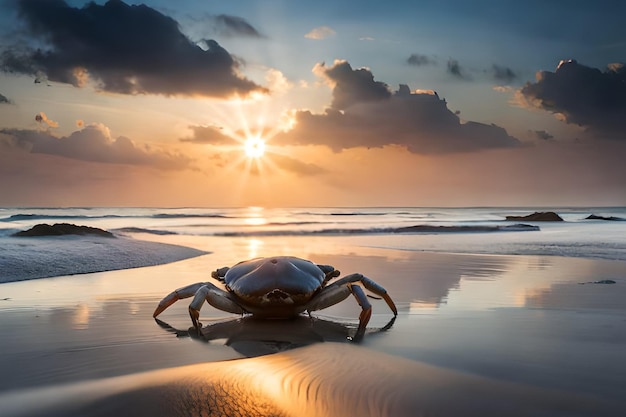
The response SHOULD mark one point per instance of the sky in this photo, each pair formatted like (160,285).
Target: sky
(338,103)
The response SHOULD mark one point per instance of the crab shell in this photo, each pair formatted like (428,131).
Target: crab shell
(274,287)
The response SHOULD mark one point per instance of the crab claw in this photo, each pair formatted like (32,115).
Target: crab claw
(179,294)
(165,303)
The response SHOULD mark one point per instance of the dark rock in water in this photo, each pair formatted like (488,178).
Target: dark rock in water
(60,229)
(425,228)
(518,227)
(543,216)
(602,281)
(596,217)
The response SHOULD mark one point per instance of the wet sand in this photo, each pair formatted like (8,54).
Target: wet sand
(475,335)
(324,379)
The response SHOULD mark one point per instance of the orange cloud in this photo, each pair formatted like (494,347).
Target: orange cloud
(319,33)
(94,143)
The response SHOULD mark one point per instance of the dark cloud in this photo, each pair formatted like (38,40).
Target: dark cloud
(454,68)
(128,49)
(421,122)
(352,86)
(541,134)
(94,144)
(504,74)
(4,100)
(420,60)
(228,25)
(583,96)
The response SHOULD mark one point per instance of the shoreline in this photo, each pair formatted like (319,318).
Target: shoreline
(64,256)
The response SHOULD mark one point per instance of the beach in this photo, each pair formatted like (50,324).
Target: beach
(476,334)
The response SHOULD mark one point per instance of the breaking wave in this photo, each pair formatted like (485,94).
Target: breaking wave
(418,229)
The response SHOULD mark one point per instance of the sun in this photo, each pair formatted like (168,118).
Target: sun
(254,147)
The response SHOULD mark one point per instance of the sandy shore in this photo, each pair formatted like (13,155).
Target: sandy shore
(475,335)
(320,380)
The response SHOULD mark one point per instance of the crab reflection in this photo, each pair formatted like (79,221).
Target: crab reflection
(253,337)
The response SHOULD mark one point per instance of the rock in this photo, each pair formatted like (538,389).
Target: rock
(425,228)
(544,216)
(60,229)
(596,217)
(602,281)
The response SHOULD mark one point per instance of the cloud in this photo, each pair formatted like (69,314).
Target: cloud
(502,88)
(94,143)
(228,25)
(420,60)
(351,86)
(41,118)
(295,166)
(454,68)
(209,135)
(541,134)
(126,49)
(321,32)
(366,114)
(4,100)
(504,74)
(583,96)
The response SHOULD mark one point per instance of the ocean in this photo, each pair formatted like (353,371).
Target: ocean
(482,230)
(396,227)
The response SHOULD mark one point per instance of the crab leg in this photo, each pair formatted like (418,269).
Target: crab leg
(218,298)
(179,294)
(335,294)
(366,307)
(341,289)
(371,286)
(201,291)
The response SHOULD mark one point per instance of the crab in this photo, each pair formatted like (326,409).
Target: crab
(278,287)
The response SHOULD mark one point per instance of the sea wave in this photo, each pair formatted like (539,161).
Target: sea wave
(144,230)
(19,217)
(417,229)
(300,223)
(353,213)
(189,215)
(30,216)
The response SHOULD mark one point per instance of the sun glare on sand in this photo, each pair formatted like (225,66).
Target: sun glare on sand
(254,147)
